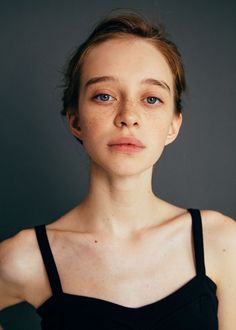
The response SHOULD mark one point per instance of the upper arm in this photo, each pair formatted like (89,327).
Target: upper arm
(226,284)
(12,269)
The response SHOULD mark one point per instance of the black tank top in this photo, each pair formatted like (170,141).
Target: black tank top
(191,307)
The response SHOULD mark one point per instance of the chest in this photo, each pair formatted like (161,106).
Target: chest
(131,274)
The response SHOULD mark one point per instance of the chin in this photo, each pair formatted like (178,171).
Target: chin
(123,168)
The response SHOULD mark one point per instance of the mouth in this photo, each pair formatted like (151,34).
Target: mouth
(127,141)
(125,147)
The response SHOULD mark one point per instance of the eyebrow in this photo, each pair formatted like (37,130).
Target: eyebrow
(150,81)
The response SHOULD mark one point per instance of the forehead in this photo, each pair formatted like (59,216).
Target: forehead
(128,58)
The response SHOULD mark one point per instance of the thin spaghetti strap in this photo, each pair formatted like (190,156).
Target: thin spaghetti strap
(48,259)
(198,241)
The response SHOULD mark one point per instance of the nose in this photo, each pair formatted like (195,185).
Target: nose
(127,115)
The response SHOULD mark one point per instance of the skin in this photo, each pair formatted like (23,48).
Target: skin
(120,197)
(122,232)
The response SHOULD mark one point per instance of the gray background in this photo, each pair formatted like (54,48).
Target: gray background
(44,170)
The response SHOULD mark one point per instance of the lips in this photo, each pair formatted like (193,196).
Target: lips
(127,141)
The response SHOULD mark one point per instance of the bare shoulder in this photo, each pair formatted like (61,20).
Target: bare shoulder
(219,232)
(220,226)
(17,250)
(19,260)
(223,230)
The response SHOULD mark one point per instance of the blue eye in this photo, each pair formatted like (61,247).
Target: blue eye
(105,97)
(102,99)
(153,99)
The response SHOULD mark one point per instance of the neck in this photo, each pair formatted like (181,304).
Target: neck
(119,205)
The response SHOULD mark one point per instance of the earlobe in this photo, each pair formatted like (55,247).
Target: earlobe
(174,128)
(73,121)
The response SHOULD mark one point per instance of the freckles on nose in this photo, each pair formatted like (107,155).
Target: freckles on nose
(127,104)
(128,109)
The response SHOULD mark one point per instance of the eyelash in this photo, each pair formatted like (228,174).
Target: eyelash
(95,97)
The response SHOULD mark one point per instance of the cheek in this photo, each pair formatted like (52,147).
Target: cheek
(89,126)
(159,128)
(92,130)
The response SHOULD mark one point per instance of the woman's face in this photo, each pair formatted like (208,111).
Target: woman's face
(124,105)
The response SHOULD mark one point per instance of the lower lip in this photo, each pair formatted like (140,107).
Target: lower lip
(126,147)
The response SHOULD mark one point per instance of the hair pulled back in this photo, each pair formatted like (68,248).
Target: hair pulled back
(122,25)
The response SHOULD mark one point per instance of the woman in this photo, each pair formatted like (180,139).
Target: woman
(124,258)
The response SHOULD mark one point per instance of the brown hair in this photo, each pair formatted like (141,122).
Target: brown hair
(118,25)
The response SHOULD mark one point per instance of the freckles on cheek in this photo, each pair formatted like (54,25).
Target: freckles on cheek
(91,127)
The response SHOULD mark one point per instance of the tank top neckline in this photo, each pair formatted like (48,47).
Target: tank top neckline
(163,302)
(184,291)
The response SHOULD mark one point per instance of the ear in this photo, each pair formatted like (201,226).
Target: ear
(174,128)
(74,124)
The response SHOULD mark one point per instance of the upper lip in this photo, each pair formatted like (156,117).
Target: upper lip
(127,140)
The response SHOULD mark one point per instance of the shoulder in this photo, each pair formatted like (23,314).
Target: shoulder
(16,250)
(221,232)
(19,259)
(221,227)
